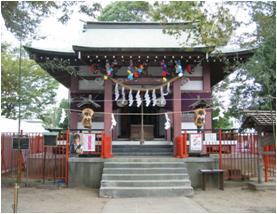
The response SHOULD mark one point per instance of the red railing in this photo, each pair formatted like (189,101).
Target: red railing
(45,162)
(37,162)
(237,152)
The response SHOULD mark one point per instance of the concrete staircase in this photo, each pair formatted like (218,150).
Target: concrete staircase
(142,150)
(145,177)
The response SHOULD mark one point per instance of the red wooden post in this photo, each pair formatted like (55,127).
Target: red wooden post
(220,148)
(185,144)
(66,156)
(266,149)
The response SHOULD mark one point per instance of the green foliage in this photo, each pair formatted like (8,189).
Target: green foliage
(37,87)
(53,118)
(125,11)
(22,18)
(204,28)
(221,122)
(254,86)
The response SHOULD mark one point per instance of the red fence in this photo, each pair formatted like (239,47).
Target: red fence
(237,152)
(44,162)
(37,162)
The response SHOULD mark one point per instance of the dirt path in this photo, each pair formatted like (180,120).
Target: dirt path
(232,199)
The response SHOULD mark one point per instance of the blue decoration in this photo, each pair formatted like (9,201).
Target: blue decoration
(130,76)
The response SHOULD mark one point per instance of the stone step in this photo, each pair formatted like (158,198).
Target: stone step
(131,192)
(142,149)
(143,159)
(144,165)
(143,170)
(145,183)
(146,153)
(141,146)
(145,176)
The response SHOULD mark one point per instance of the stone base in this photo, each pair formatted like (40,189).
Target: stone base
(262,187)
(87,172)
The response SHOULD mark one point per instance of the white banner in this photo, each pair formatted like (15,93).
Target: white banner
(88,141)
(196,142)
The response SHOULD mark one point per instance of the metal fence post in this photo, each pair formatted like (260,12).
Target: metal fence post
(220,148)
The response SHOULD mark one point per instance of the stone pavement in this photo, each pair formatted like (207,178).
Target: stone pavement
(153,205)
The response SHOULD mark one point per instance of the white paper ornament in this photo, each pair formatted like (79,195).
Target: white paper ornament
(113,122)
(147,98)
(167,89)
(167,123)
(123,94)
(131,100)
(138,99)
(162,96)
(154,98)
(116,91)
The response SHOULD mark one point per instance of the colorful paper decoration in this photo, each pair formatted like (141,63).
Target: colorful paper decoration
(134,72)
(164,71)
(109,69)
(188,69)
(140,68)
(179,69)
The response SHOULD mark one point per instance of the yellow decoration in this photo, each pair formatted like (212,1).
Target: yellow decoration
(105,77)
(199,117)
(87,115)
(164,79)
(129,72)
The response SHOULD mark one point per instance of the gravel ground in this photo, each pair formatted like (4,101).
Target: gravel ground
(232,199)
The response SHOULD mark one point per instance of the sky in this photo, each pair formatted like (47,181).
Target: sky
(60,37)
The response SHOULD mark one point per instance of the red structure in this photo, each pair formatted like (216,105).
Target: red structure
(109,55)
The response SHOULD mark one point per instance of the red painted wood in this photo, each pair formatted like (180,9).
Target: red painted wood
(208,119)
(206,78)
(108,106)
(177,108)
(73,120)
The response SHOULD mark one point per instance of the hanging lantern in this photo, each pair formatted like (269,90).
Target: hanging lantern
(87,115)
(199,117)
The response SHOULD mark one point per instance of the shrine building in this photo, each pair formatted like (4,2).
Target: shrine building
(134,75)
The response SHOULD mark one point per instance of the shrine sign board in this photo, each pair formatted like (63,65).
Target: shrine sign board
(23,142)
(50,138)
(196,143)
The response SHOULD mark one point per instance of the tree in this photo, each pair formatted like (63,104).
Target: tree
(38,89)
(125,11)
(254,83)
(57,117)
(202,27)
(22,18)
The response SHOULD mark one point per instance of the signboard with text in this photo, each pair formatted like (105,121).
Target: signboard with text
(196,142)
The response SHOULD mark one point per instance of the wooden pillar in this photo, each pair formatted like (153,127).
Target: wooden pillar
(206,78)
(108,106)
(74,87)
(177,117)
(207,89)
(73,120)
(208,119)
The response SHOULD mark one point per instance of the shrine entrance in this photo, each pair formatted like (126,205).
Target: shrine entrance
(138,127)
